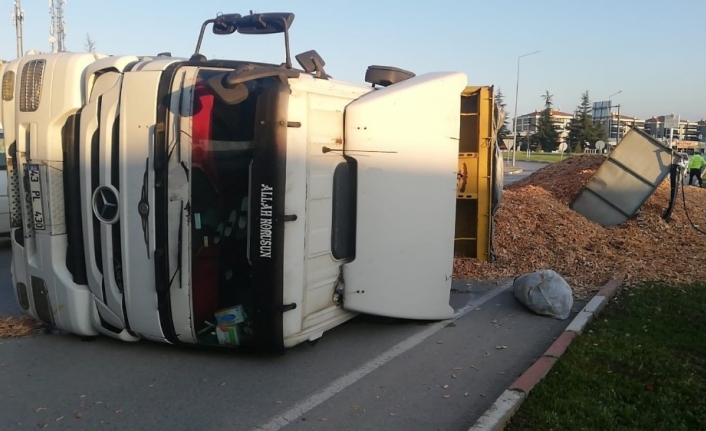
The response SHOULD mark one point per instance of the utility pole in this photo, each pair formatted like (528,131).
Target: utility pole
(617,132)
(18,17)
(610,118)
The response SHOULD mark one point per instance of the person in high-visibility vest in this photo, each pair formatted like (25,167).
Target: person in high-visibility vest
(695,164)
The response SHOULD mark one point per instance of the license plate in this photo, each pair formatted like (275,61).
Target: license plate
(35,191)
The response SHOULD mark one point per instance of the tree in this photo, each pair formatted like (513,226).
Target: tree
(89,44)
(547,135)
(547,99)
(503,132)
(583,132)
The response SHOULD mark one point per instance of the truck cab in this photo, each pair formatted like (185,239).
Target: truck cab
(229,203)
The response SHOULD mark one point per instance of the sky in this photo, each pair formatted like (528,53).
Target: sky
(652,52)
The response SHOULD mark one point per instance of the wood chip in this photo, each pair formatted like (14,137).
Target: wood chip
(19,326)
(535,229)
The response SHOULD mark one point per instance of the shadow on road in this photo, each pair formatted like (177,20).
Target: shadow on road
(8,303)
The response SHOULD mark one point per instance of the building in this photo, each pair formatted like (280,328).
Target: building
(527,123)
(688,130)
(611,125)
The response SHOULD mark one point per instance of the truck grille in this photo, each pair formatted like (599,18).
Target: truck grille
(31,85)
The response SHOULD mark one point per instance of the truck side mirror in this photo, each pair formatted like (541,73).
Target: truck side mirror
(231,95)
(226,24)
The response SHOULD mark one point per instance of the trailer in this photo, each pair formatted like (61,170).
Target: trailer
(238,203)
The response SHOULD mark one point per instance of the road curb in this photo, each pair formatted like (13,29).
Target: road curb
(513,171)
(496,417)
(499,414)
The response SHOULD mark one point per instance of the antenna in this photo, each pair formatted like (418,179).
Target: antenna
(331,150)
(18,17)
(57,28)
(60,25)
(52,29)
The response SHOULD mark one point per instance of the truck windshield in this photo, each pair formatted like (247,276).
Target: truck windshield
(221,155)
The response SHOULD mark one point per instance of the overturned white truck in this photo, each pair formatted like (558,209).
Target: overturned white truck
(228,202)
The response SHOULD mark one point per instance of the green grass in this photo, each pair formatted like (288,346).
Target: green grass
(642,366)
(521,156)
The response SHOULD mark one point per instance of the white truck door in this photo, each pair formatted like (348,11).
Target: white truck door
(404,139)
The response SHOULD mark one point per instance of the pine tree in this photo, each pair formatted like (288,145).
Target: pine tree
(547,135)
(503,132)
(583,132)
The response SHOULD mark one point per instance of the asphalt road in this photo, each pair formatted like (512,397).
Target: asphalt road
(528,168)
(368,374)
(8,303)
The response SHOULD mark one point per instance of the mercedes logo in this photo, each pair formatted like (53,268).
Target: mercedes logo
(105,204)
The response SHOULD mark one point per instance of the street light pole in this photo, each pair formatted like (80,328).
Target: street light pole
(517,91)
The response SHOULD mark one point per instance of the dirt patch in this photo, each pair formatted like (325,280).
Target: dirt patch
(535,229)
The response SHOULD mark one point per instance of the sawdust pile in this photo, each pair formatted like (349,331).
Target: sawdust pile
(535,229)
(18,326)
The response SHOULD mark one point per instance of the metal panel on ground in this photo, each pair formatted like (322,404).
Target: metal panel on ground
(629,176)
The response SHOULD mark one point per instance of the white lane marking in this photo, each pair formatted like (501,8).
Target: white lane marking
(280,421)
(483,299)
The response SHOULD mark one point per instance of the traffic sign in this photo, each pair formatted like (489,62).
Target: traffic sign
(562,147)
(600,145)
(671,121)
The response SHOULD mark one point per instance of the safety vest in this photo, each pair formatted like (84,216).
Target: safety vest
(696,162)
